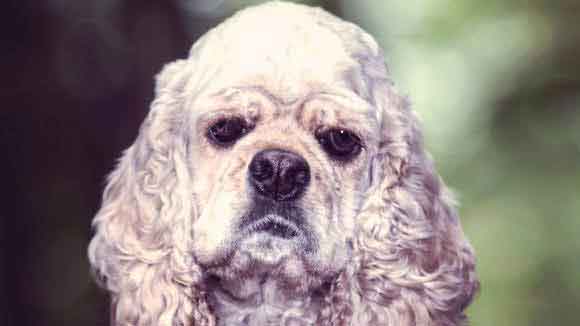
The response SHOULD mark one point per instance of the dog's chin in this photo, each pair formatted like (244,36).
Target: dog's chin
(273,251)
(264,253)
(255,263)
(268,242)
(267,250)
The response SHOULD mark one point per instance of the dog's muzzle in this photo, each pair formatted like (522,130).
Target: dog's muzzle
(278,178)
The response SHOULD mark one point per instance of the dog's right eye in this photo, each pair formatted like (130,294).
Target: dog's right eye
(227,131)
(340,144)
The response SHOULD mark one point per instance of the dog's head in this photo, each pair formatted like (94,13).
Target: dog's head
(280,151)
(280,147)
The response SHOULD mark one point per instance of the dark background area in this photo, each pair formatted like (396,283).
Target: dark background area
(76,84)
(77,80)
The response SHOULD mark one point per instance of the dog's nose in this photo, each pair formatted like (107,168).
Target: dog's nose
(279,174)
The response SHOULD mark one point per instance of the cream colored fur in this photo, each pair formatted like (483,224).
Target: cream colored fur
(389,246)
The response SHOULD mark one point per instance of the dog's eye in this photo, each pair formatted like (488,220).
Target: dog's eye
(226,131)
(341,144)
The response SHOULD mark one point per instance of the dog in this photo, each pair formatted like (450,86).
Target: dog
(280,179)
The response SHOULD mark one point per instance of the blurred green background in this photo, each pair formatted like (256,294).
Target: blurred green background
(495,83)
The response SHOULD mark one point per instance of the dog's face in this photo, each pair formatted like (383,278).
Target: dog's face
(280,177)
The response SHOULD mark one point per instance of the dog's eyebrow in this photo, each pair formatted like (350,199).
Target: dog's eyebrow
(357,105)
(229,93)
(360,109)
(345,98)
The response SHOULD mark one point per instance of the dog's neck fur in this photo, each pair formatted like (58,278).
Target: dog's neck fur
(261,301)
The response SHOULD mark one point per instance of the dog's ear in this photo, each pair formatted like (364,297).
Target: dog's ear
(140,250)
(413,263)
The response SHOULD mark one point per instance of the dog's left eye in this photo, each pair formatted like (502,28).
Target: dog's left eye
(227,131)
(341,144)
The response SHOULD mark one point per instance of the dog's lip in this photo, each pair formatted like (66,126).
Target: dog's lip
(274,224)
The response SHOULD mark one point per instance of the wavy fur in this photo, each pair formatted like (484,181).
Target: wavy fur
(411,264)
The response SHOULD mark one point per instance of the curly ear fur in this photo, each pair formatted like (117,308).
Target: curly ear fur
(140,250)
(412,264)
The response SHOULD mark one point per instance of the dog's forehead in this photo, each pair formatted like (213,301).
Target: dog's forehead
(285,36)
(294,48)
(288,49)
(287,59)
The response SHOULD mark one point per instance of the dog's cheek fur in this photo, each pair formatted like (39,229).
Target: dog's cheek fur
(220,207)
(140,249)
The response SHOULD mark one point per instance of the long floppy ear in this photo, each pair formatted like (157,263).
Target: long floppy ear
(413,263)
(143,229)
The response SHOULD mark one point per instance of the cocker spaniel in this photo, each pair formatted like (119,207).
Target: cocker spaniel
(280,179)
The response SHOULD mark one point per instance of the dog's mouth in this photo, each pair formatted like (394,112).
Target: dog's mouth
(274,225)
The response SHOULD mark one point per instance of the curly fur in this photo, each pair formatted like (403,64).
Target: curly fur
(410,262)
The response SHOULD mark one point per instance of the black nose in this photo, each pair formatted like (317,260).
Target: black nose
(278,174)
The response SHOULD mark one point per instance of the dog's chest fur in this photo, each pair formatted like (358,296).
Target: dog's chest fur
(261,301)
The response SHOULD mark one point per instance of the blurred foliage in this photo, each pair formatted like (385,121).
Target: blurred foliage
(496,84)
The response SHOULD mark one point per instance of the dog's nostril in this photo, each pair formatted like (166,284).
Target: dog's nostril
(291,179)
(301,176)
(279,174)
(261,170)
